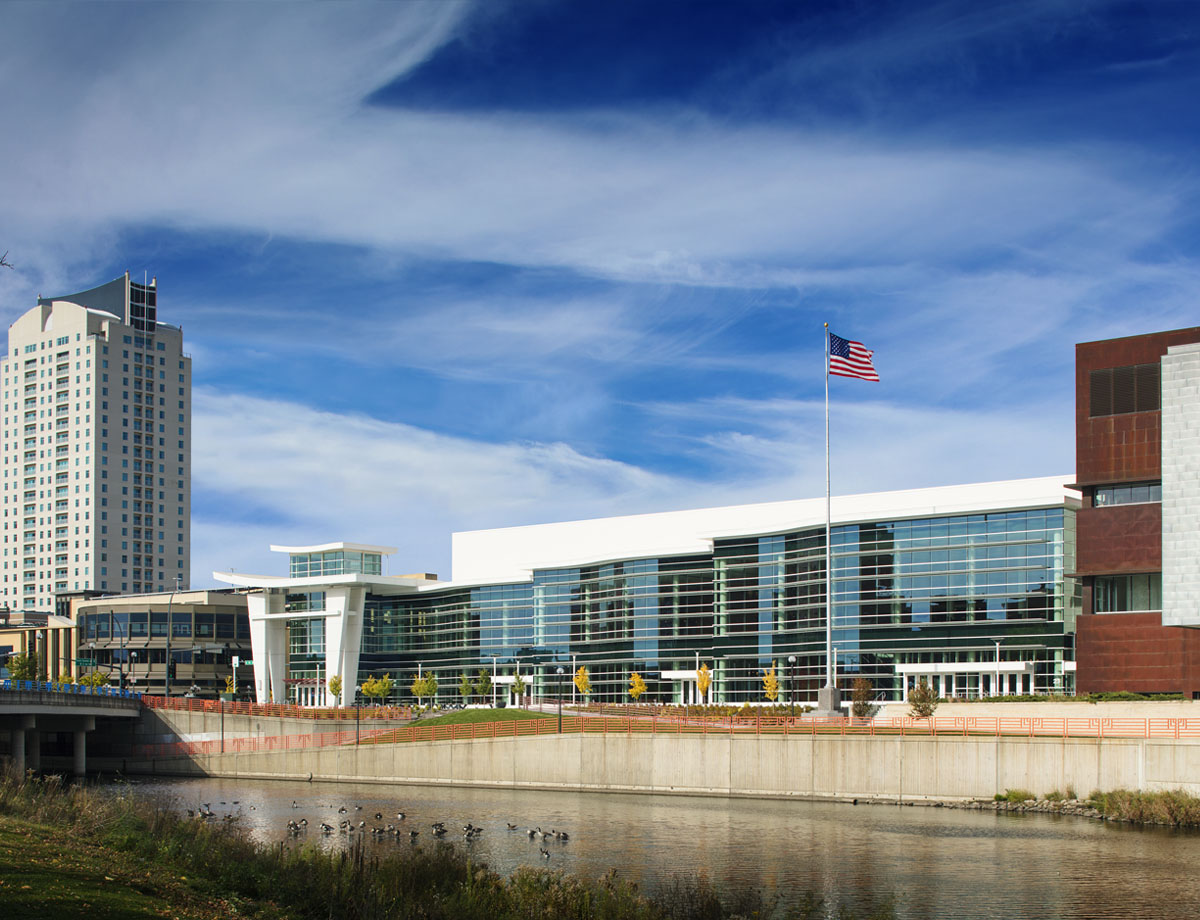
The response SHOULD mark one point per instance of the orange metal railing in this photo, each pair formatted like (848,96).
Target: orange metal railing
(285,710)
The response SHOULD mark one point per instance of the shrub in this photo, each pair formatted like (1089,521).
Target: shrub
(922,700)
(1014,795)
(862,697)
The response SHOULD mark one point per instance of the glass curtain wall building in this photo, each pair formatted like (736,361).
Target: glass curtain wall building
(921,598)
(967,587)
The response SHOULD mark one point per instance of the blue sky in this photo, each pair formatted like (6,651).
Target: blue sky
(446,266)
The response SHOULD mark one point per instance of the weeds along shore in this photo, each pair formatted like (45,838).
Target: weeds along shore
(272,882)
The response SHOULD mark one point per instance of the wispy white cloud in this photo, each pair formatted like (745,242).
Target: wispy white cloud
(290,473)
(275,140)
(276,472)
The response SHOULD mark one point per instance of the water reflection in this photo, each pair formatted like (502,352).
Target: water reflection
(936,862)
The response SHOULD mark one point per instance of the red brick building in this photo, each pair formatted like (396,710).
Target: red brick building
(1121,642)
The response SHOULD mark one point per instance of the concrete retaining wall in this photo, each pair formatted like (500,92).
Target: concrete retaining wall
(892,768)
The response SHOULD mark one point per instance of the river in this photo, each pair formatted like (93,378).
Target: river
(934,862)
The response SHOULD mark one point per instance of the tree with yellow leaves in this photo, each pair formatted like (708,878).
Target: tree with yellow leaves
(380,688)
(583,681)
(703,680)
(770,683)
(637,686)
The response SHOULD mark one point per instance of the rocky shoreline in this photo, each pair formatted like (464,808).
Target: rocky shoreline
(1074,807)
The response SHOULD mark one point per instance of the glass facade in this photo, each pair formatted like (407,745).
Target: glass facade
(334,562)
(933,593)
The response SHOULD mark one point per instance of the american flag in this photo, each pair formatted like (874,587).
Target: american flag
(851,359)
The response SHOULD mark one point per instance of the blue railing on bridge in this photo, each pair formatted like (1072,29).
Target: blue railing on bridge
(37,686)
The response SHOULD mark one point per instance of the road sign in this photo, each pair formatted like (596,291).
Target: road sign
(235,661)
(247,662)
(85,662)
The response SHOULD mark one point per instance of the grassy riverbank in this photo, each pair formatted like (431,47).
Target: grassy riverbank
(70,852)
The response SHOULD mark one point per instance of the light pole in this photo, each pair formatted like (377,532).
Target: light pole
(116,622)
(133,667)
(560,674)
(792,682)
(574,671)
(996,689)
(356,691)
(170,601)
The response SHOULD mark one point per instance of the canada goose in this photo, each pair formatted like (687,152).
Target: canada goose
(414,834)
(378,816)
(294,805)
(545,853)
(326,828)
(511,827)
(342,810)
(399,816)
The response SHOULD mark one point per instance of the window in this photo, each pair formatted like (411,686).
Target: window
(1120,390)
(300,602)
(1125,593)
(1135,493)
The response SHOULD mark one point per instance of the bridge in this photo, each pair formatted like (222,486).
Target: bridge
(29,709)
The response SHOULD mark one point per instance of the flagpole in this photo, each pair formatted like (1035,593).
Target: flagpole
(828,548)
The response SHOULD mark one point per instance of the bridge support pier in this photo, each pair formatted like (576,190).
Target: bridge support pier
(17,744)
(79,751)
(79,764)
(33,749)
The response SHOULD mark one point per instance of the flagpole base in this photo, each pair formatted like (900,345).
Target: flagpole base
(829,704)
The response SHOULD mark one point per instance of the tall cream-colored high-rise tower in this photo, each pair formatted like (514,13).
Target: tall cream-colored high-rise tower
(96,444)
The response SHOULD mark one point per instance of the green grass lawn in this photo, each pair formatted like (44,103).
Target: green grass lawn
(48,874)
(466,716)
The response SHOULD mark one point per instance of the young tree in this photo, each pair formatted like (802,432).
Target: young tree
(862,696)
(378,688)
(637,686)
(418,688)
(703,680)
(518,687)
(922,700)
(335,689)
(483,684)
(431,685)
(466,687)
(770,684)
(583,681)
(23,667)
(94,680)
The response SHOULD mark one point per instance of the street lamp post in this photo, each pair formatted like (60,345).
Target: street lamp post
(170,601)
(133,667)
(996,688)
(792,682)
(560,696)
(356,714)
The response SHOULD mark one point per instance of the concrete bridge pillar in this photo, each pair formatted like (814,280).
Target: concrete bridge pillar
(79,766)
(17,744)
(33,749)
(79,763)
